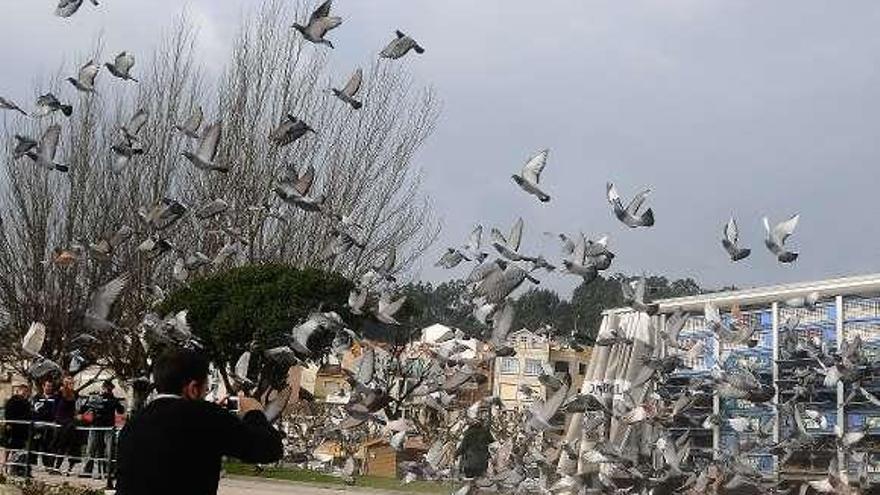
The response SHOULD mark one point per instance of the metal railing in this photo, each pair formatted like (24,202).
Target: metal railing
(47,445)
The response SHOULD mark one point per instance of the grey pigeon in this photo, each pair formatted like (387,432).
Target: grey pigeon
(9,105)
(388,308)
(351,89)
(130,146)
(530,177)
(44,155)
(290,129)
(579,264)
(508,247)
(731,242)
(206,154)
(85,78)
(777,236)
(102,300)
(121,66)
(48,103)
(400,46)
(630,215)
(294,190)
(67,8)
(542,413)
(211,209)
(164,214)
(319,24)
(106,245)
(190,127)
(498,286)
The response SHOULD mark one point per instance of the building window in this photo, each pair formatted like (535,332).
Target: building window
(560,366)
(509,366)
(582,369)
(533,367)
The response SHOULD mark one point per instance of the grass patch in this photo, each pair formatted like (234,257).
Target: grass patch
(306,476)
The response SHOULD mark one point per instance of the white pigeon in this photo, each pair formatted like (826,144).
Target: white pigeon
(33,340)
(530,177)
(102,300)
(388,308)
(777,236)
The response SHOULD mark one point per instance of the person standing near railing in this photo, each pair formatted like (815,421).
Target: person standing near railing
(103,409)
(17,408)
(44,414)
(67,442)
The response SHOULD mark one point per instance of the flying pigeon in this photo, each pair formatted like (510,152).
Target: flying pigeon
(121,66)
(23,144)
(388,308)
(48,103)
(67,8)
(630,215)
(400,46)
(108,243)
(319,24)
(190,127)
(44,156)
(351,89)
(530,177)
(509,247)
(211,209)
(777,236)
(130,145)
(102,300)
(164,214)
(731,242)
(85,78)
(289,130)
(206,154)
(579,263)
(9,105)
(33,340)
(634,296)
(294,190)
(808,301)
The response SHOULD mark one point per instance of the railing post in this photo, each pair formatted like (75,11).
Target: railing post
(30,438)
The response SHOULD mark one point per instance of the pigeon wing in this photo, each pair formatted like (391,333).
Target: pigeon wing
(534,167)
(106,295)
(354,84)
(501,324)
(194,121)
(323,10)
(49,143)
(124,62)
(33,340)
(242,365)
(475,239)
(637,201)
(731,232)
(208,146)
(783,230)
(304,183)
(88,73)
(137,122)
(515,234)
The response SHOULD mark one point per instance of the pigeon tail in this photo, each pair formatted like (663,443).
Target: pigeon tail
(418,49)
(67,110)
(648,218)
(787,257)
(356,104)
(544,198)
(62,168)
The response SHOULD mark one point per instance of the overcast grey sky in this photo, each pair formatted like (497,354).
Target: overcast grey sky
(743,107)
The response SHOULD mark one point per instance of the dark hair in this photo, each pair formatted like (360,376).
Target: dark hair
(176,368)
(108,384)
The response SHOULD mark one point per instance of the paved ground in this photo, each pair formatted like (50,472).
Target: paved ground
(239,486)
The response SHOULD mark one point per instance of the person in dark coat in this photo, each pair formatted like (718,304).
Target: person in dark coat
(44,416)
(68,439)
(102,409)
(17,408)
(175,445)
(474,450)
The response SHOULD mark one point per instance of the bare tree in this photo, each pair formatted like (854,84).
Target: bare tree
(365,163)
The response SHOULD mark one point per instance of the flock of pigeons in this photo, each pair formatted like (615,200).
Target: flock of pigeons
(527,458)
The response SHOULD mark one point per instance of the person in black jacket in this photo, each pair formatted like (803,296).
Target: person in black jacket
(17,408)
(176,444)
(102,409)
(44,416)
